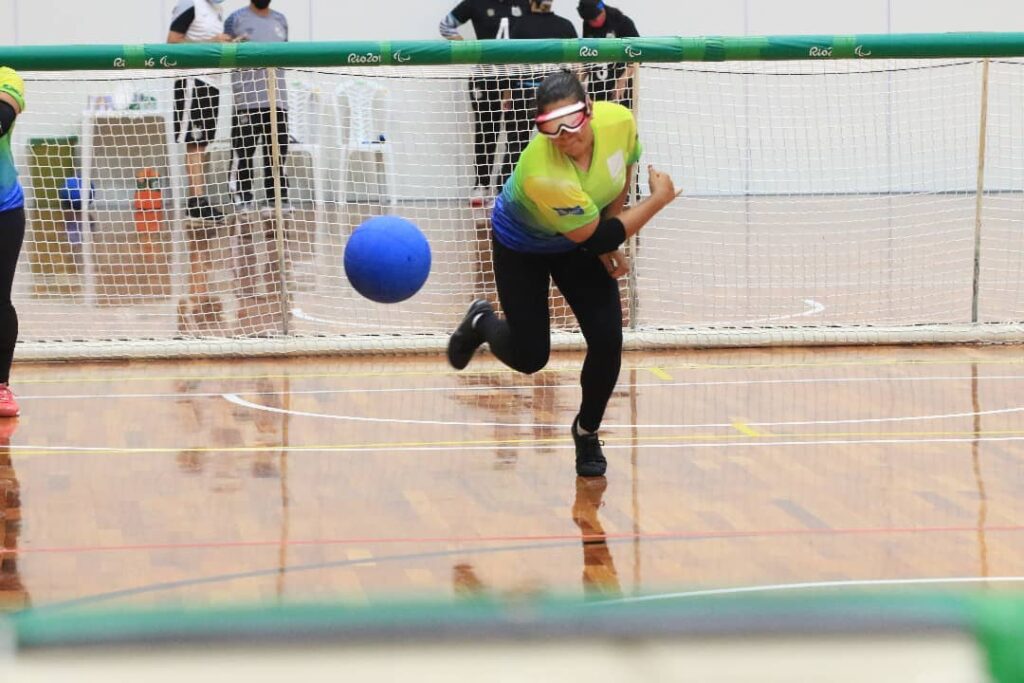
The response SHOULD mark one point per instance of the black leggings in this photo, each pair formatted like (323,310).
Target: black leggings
(12,234)
(250,129)
(522,340)
(488,119)
(519,129)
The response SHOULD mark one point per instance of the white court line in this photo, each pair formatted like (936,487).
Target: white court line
(813,308)
(239,401)
(810,585)
(524,387)
(302,315)
(400,449)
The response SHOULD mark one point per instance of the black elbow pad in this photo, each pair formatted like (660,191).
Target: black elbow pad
(607,237)
(7,116)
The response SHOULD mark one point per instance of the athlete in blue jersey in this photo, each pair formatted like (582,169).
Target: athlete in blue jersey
(12,230)
(562,217)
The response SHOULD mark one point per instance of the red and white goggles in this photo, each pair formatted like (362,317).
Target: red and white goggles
(569,119)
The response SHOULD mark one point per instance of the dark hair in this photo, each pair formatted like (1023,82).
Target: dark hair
(559,86)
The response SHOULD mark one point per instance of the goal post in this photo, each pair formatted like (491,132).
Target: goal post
(837,189)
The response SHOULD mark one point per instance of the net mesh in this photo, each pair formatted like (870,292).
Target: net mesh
(825,202)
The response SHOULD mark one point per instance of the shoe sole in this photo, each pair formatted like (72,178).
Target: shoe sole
(597,471)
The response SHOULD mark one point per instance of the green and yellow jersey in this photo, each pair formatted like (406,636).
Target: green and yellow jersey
(548,196)
(11,194)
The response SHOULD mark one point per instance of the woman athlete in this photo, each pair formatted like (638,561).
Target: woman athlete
(12,230)
(561,216)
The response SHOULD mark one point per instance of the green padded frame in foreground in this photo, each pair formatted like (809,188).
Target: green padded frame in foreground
(995,620)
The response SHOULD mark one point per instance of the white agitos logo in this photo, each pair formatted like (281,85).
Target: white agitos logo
(633,52)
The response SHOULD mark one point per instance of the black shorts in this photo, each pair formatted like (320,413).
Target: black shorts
(196,108)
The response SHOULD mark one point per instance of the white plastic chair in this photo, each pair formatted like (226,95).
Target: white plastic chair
(304,114)
(363,105)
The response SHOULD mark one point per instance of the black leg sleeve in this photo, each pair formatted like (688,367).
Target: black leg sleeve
(487,118)
(519,128)
(268,154)
(12,235)
(243,146)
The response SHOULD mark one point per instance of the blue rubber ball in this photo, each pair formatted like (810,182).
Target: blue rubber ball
(387,259)
(71,191)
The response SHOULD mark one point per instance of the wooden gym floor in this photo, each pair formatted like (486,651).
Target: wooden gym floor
(373,478)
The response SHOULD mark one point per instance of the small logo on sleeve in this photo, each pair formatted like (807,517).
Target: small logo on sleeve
(569,211)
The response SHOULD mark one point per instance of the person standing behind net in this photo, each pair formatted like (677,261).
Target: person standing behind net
(562,217)
(251,125)
(12,231)
(197,100)
(491,19)
(608,82)
(540,23)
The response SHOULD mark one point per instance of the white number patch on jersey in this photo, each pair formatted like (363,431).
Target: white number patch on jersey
(504,33)
(616,165)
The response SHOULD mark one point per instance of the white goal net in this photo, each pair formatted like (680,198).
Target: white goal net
(825,202)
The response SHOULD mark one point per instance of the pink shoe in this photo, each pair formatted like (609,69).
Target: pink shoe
(8,406)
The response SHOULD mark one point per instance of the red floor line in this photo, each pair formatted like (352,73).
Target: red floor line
(680,535)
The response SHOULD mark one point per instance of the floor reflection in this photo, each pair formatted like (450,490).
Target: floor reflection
(13,595)
(600,579)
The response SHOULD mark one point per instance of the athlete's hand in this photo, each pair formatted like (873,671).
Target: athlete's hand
(661,185)
(615,263)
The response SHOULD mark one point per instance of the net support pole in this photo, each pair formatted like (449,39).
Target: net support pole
(279,228)
(87,244)
(176,184)
(633,246)
(980,191)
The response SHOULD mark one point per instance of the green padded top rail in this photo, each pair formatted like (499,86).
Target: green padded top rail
(441,52)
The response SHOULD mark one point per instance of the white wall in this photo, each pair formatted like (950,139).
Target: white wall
(31,22)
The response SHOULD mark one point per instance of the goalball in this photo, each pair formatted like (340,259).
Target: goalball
(387,259)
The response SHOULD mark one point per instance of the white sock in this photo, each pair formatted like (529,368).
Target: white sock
(581,431)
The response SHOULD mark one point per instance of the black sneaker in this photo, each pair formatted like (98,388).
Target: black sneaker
(269,209)
(199,207)
(590,461)
(465,340)
(243,203)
